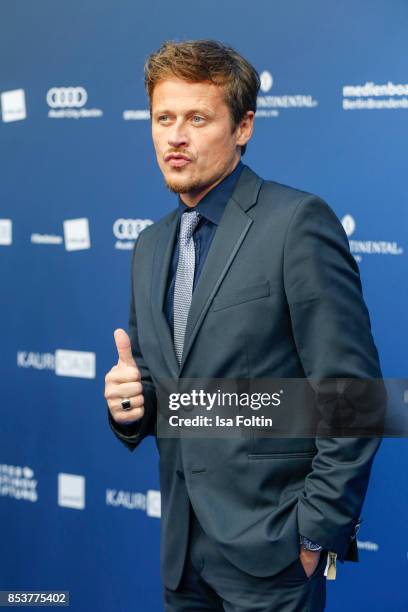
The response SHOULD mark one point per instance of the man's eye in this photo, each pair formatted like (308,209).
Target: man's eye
(163,117)
(197,119)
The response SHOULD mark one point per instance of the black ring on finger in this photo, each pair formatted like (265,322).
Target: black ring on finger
(126,403)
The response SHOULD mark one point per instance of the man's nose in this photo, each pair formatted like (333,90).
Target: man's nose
(177,135)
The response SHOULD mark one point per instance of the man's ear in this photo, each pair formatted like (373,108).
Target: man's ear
(245,128)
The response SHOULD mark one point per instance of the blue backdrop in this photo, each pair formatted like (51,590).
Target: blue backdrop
(79,180)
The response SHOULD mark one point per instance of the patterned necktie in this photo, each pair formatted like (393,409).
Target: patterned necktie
(183,289)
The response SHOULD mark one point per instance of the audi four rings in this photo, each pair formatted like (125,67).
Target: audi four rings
(129,229)
(67,97)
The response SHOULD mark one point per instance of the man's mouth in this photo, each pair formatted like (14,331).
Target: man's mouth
(177,160)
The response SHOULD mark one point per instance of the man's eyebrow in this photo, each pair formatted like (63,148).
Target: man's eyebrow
(192,111)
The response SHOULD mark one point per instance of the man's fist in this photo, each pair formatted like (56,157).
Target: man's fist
(124,381)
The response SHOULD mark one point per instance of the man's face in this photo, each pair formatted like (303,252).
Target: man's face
(195,143)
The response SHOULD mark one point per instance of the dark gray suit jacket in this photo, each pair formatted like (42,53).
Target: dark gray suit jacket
(279,296)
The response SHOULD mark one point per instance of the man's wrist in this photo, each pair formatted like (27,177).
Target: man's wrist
(127,429)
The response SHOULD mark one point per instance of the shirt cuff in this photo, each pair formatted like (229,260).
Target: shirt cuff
(309,544)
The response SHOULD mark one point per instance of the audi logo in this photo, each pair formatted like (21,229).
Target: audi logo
(129,229)
(66,97)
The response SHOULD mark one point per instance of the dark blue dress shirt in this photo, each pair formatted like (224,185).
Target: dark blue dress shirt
(211,208)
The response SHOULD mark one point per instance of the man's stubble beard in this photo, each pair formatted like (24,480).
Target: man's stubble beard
(193,185)
(184,187)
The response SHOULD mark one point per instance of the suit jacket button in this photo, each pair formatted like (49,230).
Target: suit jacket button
(180,474)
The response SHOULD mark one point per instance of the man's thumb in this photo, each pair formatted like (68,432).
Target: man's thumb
(124,348)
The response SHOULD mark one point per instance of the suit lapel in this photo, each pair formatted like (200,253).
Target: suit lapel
(230,233)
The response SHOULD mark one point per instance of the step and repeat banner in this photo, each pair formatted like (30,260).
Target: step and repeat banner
(79,182)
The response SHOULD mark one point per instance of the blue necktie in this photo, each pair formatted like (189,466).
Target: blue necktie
(183,288)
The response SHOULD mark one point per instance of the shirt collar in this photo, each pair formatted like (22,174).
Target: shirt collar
(212,205)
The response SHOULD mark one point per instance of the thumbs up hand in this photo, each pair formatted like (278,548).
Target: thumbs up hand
(123,381)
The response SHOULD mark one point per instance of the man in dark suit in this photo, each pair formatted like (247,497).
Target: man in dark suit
(247,279)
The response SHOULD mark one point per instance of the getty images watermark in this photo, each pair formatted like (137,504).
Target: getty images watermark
(209,401)
(281,407)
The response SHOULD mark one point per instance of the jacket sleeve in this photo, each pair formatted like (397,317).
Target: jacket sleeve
(132,435)
(332,331)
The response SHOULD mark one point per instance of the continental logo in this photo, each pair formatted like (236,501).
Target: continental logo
(271,104)
(368,247)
